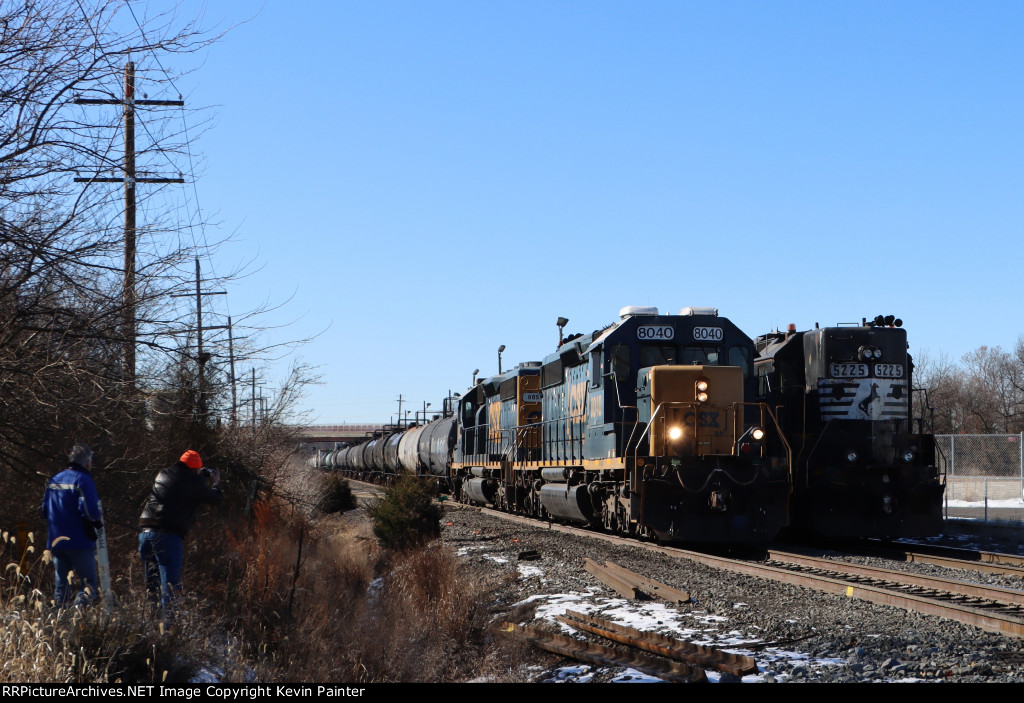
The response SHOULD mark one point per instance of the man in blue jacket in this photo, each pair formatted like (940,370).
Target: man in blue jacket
(71,509)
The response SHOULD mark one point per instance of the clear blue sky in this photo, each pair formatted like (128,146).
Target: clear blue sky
(422,182)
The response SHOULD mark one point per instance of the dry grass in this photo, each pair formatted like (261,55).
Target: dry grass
(126,643)
(279,597)
(347,610)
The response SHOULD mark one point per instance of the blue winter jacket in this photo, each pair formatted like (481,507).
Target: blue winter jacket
(71,509)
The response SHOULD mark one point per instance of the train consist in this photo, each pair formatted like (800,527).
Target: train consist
(682,428)
(647,427)
(843,398)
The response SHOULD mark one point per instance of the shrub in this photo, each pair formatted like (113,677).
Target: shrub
(406,516)
(337,496)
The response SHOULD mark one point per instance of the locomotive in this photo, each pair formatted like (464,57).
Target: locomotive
(842,396)
(647,427)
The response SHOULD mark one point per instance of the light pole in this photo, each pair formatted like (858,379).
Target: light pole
(500,350)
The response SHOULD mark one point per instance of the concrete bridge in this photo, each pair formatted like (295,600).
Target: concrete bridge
(326,436)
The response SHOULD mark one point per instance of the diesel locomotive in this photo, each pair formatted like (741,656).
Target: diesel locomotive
(842,396)
(649,427)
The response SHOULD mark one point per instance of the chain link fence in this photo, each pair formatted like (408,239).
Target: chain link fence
(984,475)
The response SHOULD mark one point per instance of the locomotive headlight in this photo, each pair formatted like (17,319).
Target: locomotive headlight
(851,456)
(757,434)
(675,432)
(878,353)
(908,456)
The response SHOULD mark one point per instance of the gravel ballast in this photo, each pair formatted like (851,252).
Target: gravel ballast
(794,633)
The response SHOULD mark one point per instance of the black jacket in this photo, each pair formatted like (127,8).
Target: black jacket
(177,494)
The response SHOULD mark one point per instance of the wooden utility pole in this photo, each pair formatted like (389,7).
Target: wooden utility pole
(128,295)
(231,358)
(201,356)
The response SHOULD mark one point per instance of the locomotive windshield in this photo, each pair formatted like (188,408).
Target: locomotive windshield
(659,355)
(701,356)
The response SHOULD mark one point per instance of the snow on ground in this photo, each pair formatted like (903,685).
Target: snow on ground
(697,627)
(1015,503)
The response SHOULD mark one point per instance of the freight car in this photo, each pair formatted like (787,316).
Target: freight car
(843,398)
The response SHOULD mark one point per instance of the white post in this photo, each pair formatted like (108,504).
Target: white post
(103,559)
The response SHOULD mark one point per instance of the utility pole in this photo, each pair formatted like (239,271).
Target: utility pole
(231,358)
(128,295)
(202,357)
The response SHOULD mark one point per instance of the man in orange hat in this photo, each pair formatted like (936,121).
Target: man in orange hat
(166,518)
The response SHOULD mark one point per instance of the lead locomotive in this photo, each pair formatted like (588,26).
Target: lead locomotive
(647,427)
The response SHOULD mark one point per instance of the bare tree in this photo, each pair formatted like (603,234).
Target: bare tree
(983,394)
(62,242)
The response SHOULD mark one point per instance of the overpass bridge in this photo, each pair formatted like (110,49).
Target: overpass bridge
(326,436)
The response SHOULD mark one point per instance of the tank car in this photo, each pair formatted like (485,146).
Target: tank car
(423,450)
(647,427)
(843,398)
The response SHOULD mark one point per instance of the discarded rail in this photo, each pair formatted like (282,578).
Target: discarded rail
(707,657)
(592,653)
(632,585)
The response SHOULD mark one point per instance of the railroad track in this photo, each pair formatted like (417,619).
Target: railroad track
(951,557)
(993,609)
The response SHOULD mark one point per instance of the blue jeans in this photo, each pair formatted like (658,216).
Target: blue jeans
(163,555)
(83,563)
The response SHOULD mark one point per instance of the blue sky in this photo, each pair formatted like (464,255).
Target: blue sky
(420,182)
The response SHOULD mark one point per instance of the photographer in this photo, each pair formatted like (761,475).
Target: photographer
(166,518)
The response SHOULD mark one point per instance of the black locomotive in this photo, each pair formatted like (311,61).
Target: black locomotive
(649,426)
(843,398)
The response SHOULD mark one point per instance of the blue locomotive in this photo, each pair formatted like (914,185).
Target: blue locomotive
(647,427)
(843,399)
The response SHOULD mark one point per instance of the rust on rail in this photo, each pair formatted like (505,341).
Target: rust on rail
(592,653)
(707,657)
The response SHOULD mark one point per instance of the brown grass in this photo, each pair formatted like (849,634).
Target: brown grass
(278,596)
(353,612)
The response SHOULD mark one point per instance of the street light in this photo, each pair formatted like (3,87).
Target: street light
(562,322)
(500,350)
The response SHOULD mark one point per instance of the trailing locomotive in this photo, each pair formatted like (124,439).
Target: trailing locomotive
(647,427)
(843,398)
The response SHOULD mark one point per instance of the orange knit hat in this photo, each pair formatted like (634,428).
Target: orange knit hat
(191,460)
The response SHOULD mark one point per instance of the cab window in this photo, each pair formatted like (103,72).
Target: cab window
(657,355)
(740,356)
(620,362)
(701,356)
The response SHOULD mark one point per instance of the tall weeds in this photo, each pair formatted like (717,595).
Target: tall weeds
(278,596)
(349,610)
